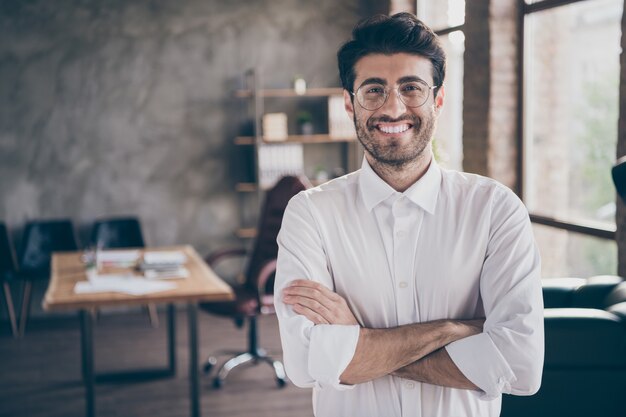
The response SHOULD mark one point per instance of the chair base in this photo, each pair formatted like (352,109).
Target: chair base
(241,358)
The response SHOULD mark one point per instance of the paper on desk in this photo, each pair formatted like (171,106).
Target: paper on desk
(126,284)
(117,257)
(171,257)
(178,273)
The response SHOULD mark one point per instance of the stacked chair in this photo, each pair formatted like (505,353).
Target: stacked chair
(254,296)
(8,272)
(41,238)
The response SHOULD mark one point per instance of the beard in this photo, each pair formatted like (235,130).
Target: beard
(391,152)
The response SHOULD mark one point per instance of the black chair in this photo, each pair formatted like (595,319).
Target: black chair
(118,233)
(7,273)
(40,239)
(618,172)
(254,296)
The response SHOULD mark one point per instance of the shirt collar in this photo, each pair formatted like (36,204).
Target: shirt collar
(424,192)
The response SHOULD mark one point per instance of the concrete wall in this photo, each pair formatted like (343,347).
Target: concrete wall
(125,107)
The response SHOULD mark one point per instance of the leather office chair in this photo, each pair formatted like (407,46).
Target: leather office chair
(7,273)
(618,172)
(41,238)
(119,233)
(254,296)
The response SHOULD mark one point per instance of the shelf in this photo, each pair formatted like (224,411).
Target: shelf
(246,187)
(322,138)
(246,233)
(288,92)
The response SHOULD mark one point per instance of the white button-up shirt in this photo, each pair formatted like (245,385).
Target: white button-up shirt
(455,246)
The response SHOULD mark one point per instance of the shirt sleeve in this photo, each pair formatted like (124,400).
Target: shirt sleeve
(314,355)
(508,356)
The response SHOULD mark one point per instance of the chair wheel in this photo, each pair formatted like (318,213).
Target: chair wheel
(217,383)
(281,382)
(207,368)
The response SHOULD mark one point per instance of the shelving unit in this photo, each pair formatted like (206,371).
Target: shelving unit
(256,97)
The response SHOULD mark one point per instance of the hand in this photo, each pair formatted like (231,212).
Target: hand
(317,303)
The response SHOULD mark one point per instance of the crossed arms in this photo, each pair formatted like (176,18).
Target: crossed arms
(411,351)
(324,346)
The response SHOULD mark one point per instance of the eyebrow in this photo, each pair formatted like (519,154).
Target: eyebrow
(410,78)
(373,80)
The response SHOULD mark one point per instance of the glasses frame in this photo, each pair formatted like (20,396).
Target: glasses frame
(388,93)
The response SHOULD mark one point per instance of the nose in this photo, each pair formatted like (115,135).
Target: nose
(393,107)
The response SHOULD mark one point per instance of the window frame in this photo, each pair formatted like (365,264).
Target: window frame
(526,9)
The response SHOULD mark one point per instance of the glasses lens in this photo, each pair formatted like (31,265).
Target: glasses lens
(414,94)
(371,96)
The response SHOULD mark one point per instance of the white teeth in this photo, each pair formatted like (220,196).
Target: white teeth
(394,129)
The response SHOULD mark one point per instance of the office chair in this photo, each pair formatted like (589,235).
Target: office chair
(618,172)
(41,238)
(254,296)
(119,233)
(7,273)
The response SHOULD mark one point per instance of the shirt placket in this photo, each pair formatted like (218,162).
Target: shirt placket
(405,231)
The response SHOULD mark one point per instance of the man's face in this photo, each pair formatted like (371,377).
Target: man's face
(394,134)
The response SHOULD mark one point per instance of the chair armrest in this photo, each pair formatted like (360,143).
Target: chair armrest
(266,300)
(214,257)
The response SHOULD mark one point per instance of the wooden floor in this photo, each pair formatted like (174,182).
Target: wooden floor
(40,374)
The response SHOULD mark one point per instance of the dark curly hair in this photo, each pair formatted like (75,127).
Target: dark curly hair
(381,34)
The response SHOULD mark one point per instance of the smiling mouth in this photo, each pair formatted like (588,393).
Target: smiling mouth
(393,128)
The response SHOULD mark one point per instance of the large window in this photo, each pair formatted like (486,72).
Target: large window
(447,17)
(571,86)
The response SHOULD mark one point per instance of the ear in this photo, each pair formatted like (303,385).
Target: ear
(441,94)
(347,102)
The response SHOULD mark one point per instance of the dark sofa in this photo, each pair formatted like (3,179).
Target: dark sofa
(585,357)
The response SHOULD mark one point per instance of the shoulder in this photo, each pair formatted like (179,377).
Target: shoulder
(330,193)
(464,184)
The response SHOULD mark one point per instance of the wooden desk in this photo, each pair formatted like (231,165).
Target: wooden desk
(201,285)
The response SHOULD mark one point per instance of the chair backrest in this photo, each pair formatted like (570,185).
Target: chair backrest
(619,177)
(41,238)
(7,255)
(117,233)
(265,246)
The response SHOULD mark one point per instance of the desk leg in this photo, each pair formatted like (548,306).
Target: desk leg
(194,376)
(86,338)
(171,339)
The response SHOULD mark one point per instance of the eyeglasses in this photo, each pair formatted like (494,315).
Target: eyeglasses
(374,96)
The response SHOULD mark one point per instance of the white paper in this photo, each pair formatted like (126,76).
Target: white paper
(179,273)
(126,284)
(117,256)
(173,257)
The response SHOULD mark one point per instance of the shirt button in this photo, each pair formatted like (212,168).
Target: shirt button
(410,385)
(400,233)
(403,284)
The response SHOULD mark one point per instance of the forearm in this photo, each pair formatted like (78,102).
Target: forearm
(382,351)
(436,368)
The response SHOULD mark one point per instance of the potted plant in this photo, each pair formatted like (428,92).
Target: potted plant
(305,123)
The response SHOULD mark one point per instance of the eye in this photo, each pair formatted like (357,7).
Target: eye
(375,89)
(413,88)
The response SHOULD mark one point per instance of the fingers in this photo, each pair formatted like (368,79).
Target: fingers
(315,317)
(311,304)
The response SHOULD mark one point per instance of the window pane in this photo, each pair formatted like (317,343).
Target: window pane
(567,254)
(448,143)
(571,110)
(441,14)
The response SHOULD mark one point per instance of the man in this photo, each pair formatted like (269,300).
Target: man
(404,289)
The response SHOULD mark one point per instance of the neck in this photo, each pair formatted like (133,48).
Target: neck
(400,178)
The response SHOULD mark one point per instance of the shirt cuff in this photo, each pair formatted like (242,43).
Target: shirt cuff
(478,358)
(331,349)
